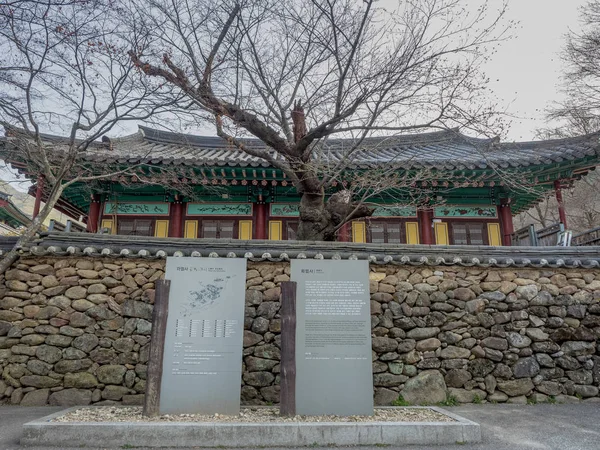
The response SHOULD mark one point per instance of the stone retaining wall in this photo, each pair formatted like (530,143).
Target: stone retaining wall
(76,330)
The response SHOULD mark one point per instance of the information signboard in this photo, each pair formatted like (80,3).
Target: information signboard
(333,337)
(202,361)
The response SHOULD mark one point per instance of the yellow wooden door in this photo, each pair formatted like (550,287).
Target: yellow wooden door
(245,230)
(191,229)
(161,228)
(412,232)
(441,233)
(275,230)
(359,232)
(494,236)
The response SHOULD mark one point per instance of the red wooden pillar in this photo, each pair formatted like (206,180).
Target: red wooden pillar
(425,217)
(561,206)
(344,233)
(176,218)
(94,214)
(38,196)
(506,220)
(260,225)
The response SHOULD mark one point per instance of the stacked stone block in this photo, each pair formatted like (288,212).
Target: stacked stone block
(76,331)
(476,334)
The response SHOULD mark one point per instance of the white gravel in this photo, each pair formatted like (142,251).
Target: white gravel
(248,415)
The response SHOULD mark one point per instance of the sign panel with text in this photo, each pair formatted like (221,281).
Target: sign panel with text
(202,364)
(333,338)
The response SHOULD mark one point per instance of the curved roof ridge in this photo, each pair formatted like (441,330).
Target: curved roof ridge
(65,139)
(430,136)
(137,136)
(196,140)
(165,136)
(449,134)
(555,141)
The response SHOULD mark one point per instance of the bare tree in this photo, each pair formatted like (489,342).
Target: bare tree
(343,68)
(579,113)
(541,214)
(581,203)
(62,68)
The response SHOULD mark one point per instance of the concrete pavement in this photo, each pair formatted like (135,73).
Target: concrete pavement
(541,427)
(11,419)
(504,427)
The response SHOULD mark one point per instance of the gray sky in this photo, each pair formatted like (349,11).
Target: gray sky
(526,70)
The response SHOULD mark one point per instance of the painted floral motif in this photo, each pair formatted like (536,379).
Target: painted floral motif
(465,211)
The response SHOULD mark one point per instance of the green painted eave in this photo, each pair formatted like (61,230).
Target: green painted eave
(461,187)
(10,219)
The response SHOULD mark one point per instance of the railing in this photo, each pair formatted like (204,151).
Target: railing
(69,227)
(525,236)
(550,236)
(589,237)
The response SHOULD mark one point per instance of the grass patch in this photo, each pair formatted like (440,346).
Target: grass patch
(450,401)
(400,402)
(552,400)
(477,399)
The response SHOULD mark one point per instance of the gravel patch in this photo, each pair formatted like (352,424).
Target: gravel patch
(248,415)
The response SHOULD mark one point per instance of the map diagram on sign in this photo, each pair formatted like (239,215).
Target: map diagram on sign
(204,296)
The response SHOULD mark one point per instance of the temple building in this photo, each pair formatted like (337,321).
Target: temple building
(11,216)
(201,187)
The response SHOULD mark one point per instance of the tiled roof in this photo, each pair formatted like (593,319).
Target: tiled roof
(7,243)
(11,212)
(95,245)
(448,150)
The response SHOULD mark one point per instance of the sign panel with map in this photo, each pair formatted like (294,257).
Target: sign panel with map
(333,337)
(202,364)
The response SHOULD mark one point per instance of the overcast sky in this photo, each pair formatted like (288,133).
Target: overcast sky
(526,70)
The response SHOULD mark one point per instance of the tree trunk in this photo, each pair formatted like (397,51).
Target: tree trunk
(9,259)
(541,215)
(321,221)
(315,221)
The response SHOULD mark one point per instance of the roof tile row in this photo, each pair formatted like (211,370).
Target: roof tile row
(442,150)
(83,244)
